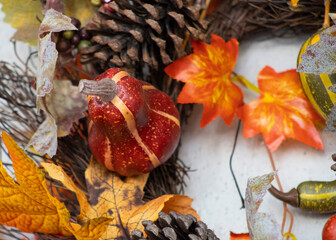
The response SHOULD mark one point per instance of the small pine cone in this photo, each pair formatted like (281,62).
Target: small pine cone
(174,226)
(132,34)
(333,167)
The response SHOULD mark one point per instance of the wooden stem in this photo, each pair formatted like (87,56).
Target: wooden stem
(326,22)
(286,210)
(291,197)
(106,88)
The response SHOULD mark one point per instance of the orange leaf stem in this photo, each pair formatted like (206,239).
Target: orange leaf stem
(286,210)
(326,22)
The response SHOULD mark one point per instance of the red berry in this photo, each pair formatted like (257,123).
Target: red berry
(75,39)
(329,230)
(84,34)
(63,45)
(106,6)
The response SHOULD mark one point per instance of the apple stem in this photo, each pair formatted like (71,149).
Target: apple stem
(106,88)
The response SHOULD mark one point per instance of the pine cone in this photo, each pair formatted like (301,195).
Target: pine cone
(132,34)
(174,226)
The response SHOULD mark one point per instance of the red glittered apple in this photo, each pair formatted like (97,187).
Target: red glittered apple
(133,126)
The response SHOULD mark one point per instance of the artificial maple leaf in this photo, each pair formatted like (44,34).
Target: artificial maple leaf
(57,173)
(261,225)
(207,74)
(281,111)
(239,236)
(28,206)
(120,199)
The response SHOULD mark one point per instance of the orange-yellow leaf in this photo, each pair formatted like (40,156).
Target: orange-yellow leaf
(281,111)
(121,199)
(57,173)
(239,236)
(27,204)
(207,74)
(294,2)
(92,229)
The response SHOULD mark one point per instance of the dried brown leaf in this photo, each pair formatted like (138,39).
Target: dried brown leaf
(66,105)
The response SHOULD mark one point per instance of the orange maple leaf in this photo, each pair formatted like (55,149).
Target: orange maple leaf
(207,74)
(28,205)
(239,236)
(281,111)
(294,2)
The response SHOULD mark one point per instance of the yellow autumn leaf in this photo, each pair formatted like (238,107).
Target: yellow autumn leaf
(27,204)
(57,173)
(80,9)
(23,15)
(92,229)
(120,199)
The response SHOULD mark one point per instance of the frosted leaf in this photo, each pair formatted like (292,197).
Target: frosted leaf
(55,21)
(320,57)
(333,17)
(47,55)
(262,226)
(61,103)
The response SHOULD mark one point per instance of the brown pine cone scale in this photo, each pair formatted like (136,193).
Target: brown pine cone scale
(174,227)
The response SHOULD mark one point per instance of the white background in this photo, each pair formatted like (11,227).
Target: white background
(206,151)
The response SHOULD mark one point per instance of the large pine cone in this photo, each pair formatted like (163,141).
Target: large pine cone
(131,34)
(173,227)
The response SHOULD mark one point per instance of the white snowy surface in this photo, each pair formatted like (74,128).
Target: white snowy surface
(206,151)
